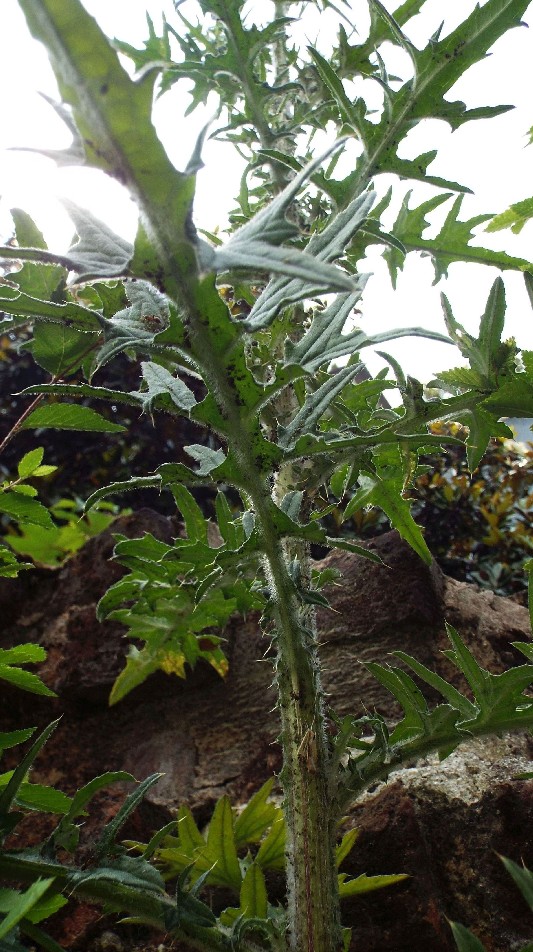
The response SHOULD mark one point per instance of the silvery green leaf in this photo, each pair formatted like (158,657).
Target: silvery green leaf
(325,332)
(136,325)
(325,342)
(291,504)
(162,383)
(98,251)
(316,404)
(248,522)
(208,458)
(324,247)
(270,224)
(313,276)
(206,256)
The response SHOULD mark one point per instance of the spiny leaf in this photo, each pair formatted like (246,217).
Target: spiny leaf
(106,843)
(387,495)
(514,218)
(451,244)
(10,791)
(168,388)
(195,522)
(316,405)
(324,246)
(136,482)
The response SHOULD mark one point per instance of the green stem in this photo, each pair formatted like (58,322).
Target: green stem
(310,816)
(236,38)
(313,901)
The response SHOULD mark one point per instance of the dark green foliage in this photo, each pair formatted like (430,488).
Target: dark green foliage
(476,525)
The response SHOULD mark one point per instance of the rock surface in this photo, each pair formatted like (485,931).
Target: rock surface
(441,824)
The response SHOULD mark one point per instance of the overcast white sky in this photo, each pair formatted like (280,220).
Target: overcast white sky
(489,156)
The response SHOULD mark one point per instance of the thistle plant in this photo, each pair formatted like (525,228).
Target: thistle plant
(254,339)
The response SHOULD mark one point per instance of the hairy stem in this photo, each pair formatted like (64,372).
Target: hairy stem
(314,921)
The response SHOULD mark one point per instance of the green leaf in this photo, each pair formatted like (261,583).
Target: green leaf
(451,244)
(208,458)
(23,905)
(349,112)
(69,416)
(22,654)
(12,738)
(346,845)
(30,462)
(523,878)
(452,695)
(106,843)
(316,405)
(34,279)
(25,680)
(442,63)
(324,247)
(24,509)
(84,390)
(195,522)
(364,884)
(66,834)
(513,398)
(191,839)
(257,816)
(514,217)
(253,896)
(464,939)
(221,849)
(271,853)
(43,908)
(387,494)
(127,485)
(137,669)
(59,348)
(24,306)
(36,796)
(11,790)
